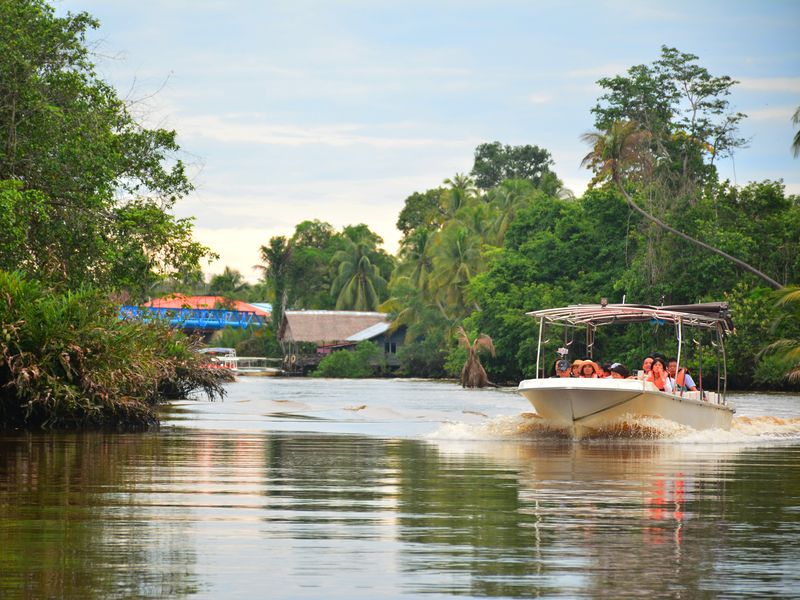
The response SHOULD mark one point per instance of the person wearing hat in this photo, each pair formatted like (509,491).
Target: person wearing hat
(561,368)
(589,370)
(575,369)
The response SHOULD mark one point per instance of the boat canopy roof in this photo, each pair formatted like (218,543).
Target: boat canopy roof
(709,315)
(218,351)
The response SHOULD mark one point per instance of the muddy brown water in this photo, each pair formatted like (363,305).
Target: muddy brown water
(305,488)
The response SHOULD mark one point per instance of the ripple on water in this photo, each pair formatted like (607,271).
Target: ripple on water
(529,426)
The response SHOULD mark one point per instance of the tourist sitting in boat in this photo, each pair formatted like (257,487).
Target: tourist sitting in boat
(561,368)
(575,369)
(589,370)
(647,365)
(619,371)
(683,381)
(606,370)
(659,375)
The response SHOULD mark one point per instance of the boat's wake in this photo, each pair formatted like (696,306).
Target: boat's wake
(531,427)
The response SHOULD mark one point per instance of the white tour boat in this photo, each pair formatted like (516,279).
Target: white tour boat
(254,366)
(589,405)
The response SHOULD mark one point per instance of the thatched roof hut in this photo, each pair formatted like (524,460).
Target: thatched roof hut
(331,327)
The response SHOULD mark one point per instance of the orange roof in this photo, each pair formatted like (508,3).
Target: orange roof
(181,301)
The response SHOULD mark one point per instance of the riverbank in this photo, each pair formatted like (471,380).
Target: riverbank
(68,362)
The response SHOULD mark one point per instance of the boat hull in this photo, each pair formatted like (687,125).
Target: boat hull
(588,405)
(257,372)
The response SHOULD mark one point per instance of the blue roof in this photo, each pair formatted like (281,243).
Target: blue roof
(369,332)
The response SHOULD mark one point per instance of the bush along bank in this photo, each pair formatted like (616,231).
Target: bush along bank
(68,362)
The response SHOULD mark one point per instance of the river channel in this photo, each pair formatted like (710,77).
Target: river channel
(310,488)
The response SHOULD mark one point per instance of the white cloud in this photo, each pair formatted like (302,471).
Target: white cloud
(251,129)
(540,98)
(793,187)
(771,84)
(771,113)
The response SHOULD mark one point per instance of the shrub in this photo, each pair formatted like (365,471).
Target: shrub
(251,341)
(422,358)
(67,361)
(352,364)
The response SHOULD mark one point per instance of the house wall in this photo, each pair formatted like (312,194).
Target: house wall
(391,342)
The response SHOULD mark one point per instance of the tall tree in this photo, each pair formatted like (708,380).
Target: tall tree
(358,284)
(314,243)
(416,259)
(461,191)
(277,260)
(685,110)
(495,163)
(102,185)
(507,199)
(623,150)
(421,210)
(457,258)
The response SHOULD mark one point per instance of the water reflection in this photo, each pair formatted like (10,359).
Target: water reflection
(71,522)
(210,514)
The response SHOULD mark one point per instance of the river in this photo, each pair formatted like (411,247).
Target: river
(309,488)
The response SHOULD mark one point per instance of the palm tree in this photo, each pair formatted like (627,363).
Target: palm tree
(416,254)
(473,374)
(277,259)
(358,284)
(461,192)
(456,260)
(229,281)
(788,348)
(796,141)
(508,198)
(553,186)
(479,219)
(624,150)
(410,309)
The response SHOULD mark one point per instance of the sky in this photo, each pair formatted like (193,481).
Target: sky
(288,110)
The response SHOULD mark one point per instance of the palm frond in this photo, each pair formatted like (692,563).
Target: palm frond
(463,340)
(485,342)
(789,295)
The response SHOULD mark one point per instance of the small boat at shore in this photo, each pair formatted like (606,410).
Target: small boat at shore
(590,405)
(247,366)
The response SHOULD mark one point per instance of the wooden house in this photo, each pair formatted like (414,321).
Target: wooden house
(332,330)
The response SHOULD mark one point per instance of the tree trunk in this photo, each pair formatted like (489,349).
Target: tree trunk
(750,269)
(473,374)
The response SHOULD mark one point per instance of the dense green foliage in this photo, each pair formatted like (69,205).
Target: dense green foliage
(494,163)
(319,268)
(85,200)
(86,194)
(67,360)
(485,258)
(85,191)
(362,361)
